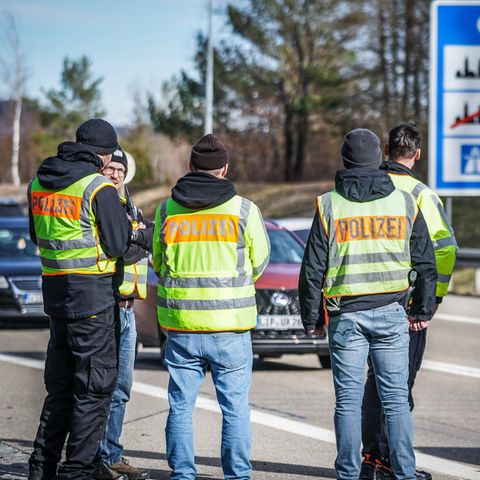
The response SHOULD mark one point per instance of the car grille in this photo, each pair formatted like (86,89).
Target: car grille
(266,307)
(27,284)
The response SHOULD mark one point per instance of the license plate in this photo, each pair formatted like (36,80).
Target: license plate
(279,322)
(33,298)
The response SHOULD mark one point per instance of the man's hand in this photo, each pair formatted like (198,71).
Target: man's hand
(143,237)
(317,331)
(417,326)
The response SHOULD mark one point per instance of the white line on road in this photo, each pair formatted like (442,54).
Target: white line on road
(446,467)
(451,368)
(429,462)
(24,362)
(456,318)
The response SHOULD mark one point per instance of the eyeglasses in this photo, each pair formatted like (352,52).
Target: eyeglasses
(108,170)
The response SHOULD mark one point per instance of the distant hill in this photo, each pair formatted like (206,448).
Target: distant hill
(274,200)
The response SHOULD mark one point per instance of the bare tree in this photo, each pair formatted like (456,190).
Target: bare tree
(14,72)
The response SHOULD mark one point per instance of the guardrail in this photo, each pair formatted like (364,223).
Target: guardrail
(468,257)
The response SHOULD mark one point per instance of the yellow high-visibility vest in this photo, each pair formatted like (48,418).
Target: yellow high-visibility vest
(66,228)
(439,228)
(135,280)
(207,261)
(369,243)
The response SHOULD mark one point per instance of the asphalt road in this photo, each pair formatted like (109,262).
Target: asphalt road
(292,407)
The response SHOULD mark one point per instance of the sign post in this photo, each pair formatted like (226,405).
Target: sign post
(454,120)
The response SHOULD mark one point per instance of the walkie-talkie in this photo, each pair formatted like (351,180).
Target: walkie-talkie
(132,209)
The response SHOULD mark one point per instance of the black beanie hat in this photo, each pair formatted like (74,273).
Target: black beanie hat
(98,134)
(209,153)
(120,157)
(361,149)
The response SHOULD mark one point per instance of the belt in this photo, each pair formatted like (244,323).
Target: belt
(126,303)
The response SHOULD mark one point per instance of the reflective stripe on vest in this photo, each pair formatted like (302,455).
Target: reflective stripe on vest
(135,279)
(438,225)
(206,282)
(66,229)
(369,243)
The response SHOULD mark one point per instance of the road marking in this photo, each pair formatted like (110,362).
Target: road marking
(451,368)
(24,362)
(429,462)
(456,318)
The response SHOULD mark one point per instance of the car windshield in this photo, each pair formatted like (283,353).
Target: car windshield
(10,210)
(15,244)
(285,249)
(303,234)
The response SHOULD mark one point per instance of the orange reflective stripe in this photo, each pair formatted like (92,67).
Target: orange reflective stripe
(56,205)
(70,271)
(201,228)
(371,228)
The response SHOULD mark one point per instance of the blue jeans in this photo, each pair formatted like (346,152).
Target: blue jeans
(110,449)
(229,355)
(383,333)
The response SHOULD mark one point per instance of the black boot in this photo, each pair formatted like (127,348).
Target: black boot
(41,471)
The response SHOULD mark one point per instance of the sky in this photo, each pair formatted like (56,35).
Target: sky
(133,44)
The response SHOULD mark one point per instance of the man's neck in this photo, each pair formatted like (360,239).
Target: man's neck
(406,162)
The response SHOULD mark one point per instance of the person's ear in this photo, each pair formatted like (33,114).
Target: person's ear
(418,154)
(224,170)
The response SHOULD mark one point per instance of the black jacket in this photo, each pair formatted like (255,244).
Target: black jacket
(77,296)
(200,190)
(398,169)
(358,185)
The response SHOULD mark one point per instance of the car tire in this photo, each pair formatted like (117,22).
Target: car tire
(325,361)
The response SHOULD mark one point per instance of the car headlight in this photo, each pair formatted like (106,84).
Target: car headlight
(3,282)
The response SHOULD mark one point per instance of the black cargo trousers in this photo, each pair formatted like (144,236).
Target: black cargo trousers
(374,436)
(80,376)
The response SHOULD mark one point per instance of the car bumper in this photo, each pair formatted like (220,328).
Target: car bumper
(23,315)
(265,344)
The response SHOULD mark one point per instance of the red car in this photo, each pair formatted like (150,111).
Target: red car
(279,328)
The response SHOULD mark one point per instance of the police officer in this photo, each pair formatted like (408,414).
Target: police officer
(132,276)
(366,238)
(404,150)
(80,227)
(209,247)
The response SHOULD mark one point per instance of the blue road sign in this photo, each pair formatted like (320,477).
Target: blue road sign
(454,125)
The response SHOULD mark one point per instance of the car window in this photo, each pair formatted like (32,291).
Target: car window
(10,210)
(285,248)
(303,234)
(15,243)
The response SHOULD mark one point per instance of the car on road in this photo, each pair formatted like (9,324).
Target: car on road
(21,301)
(279,329)
(9,207)
(299,225)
